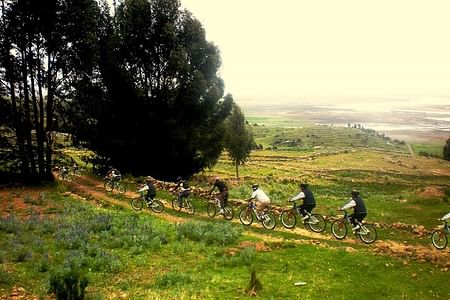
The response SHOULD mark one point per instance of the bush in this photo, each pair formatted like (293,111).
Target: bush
(68,284)
(209,233)
(172,278)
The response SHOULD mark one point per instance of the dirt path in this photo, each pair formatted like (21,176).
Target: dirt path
(92,190)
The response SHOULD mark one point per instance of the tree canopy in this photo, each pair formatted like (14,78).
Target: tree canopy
(141,87)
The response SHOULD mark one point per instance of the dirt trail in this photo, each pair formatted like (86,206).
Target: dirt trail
(91,189)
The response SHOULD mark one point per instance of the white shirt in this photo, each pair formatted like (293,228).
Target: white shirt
(300,195)
(260,196)
(351,203)
(447,216)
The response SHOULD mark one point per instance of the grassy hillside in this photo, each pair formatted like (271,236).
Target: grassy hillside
(76,229)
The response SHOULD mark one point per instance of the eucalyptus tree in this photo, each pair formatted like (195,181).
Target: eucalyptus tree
(446,152)
(165,110)
(239,139)
(47,46)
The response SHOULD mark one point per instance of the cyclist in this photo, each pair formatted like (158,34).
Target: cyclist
(359,209)
(185,190)
(150,188)
(223,193)
(446,217)
(113,174)
(64,171)
(308,200)
(262,200)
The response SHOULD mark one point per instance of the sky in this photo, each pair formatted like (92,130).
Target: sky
(312,49)
(293,49)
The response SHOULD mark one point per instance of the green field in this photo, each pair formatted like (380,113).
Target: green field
(48,232)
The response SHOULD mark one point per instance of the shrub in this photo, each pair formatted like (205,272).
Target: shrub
(209,233)
(172,278)
(245,257)
(68,283)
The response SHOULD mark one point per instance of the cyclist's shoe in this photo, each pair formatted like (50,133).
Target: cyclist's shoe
(356,228)
(305,218)
(221,211)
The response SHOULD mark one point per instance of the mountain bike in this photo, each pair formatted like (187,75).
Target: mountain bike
(267,219)
(367,232)
(315,222)
(213,205)
(439,237)
(139,202)
(110,185)
(186,204)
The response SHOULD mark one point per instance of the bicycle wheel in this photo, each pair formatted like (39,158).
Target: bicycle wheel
(367,233)
(228,212)
(175,205)
(211,210)
(439,239)
(269,221)
(120,188)
(246,216)
(137,203)
(157,206)
(109,186)
(190,208)
(288,218)
(316,223)
(339,229)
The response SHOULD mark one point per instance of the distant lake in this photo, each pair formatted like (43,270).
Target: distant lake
(412,119)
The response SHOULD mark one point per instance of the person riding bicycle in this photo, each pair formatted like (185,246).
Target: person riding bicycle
(223,193)
(446,217)
(262,200)
(150,188)
(359,209)
(185,190)
(308,200)
(113,174)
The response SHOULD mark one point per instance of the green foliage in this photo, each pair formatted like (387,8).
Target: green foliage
(209,233)
(244,257)
(446,150)
(172,279)
(68,283)
(239,138)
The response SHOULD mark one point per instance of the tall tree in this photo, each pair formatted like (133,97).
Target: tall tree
(164,111)
(239,139)
(447,150)
(46,47)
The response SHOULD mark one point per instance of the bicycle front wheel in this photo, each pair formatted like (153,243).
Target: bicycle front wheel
(269,221)
(190,208)
(288,218)
(109,186)
(339,229)
(367,233)
(120,188)
(175,205)
(228,212)
(157,206)
(246,216)
(316,223)
(211,210)
(439,239)
(137,203)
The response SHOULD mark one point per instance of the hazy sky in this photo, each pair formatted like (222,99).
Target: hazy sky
(304,48)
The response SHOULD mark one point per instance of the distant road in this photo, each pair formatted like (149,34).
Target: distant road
(410,149)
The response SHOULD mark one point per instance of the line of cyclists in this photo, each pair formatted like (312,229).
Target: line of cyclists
(262,200)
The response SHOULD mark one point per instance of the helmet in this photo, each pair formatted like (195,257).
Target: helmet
(255,186)
(179,178)
(355,193)
(304,185)
(148,179)
(217,178)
